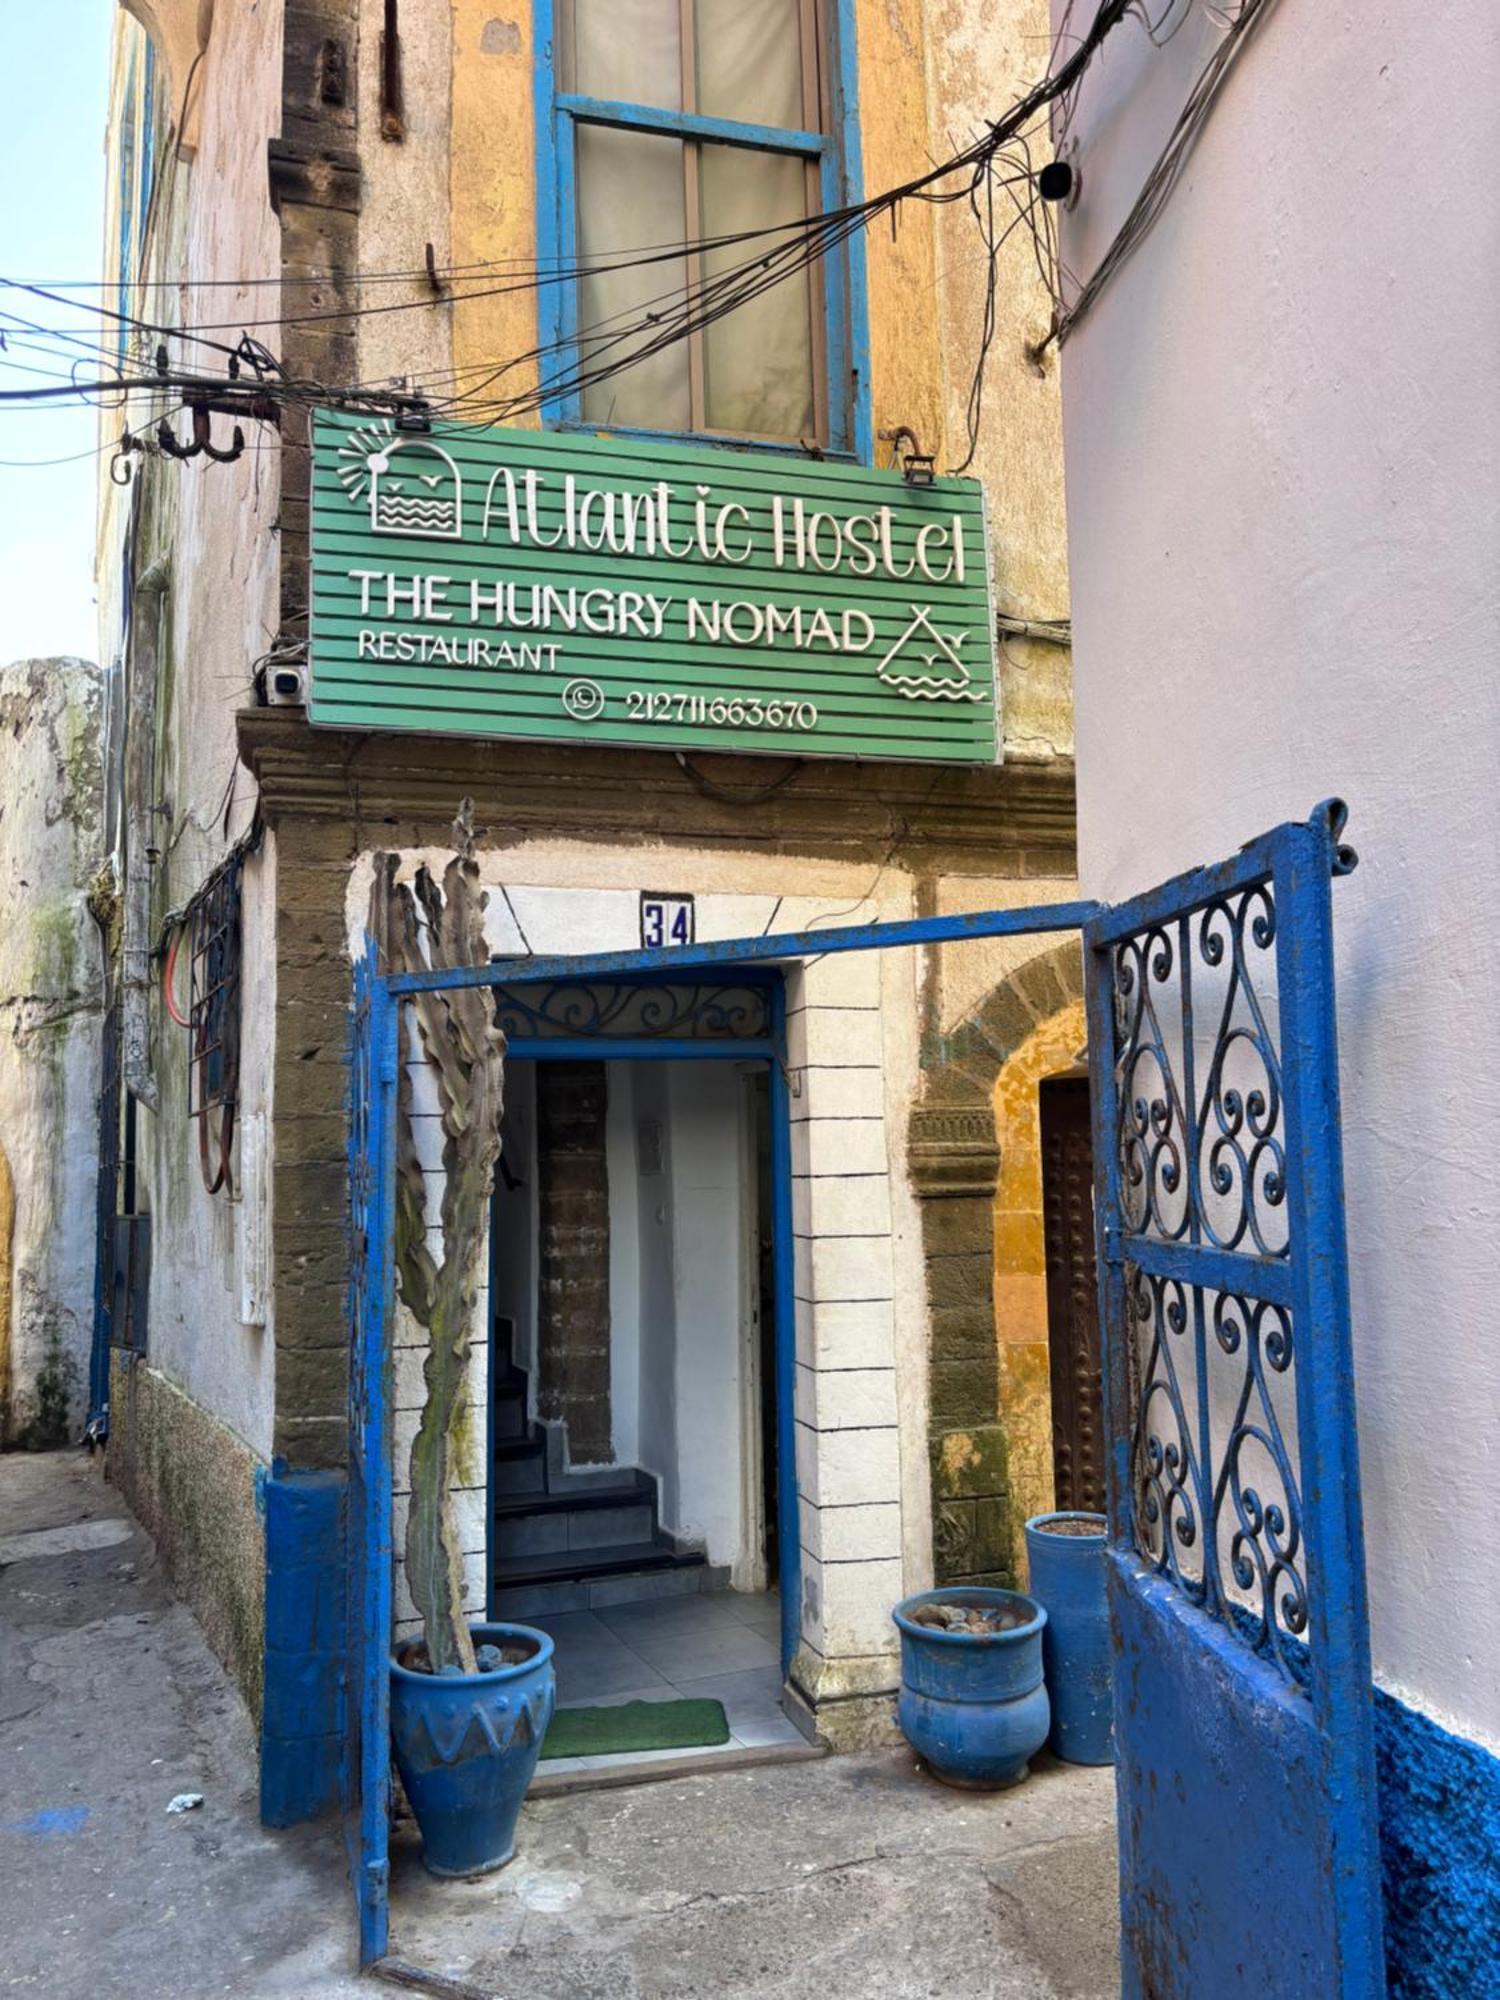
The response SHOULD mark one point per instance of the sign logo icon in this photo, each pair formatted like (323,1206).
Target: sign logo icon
(584,700)
(946,677)
(409,484)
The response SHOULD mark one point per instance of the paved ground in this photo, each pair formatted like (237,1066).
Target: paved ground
(851,1879)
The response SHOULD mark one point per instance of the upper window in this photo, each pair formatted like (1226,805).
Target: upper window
(680,122)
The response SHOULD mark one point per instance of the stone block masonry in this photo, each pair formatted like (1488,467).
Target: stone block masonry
(310,1181)
(975,1163)
(573,1225)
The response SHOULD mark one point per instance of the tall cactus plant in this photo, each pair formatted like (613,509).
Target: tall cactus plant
(418,926)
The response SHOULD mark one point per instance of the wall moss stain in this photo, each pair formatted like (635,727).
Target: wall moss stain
(50,998)
(192,1485)
(54,1391)
(54,950)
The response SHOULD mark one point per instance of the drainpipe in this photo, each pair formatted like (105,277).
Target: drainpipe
(140,762)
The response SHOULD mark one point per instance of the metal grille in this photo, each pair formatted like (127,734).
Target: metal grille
(632,1009)
(214,1006)
(1200,1136)
(214,1022)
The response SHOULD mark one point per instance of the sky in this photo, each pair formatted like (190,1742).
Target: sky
(51,223)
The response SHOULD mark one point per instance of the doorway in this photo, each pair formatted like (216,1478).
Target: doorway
(634,1383)
(1078,1442)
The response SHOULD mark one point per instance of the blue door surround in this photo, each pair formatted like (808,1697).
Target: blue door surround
(1209,1695)
(770,1049)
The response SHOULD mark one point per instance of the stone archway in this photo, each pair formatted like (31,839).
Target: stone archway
(975,1160)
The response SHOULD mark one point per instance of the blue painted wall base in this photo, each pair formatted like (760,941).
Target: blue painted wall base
(301,1727)
(1440,1857)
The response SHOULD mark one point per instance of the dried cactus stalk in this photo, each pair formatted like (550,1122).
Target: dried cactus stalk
(463,1043)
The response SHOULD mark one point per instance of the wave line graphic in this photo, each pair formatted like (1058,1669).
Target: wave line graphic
(414,513)
(924,687)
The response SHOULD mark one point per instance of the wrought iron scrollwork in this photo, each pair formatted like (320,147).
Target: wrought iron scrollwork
(1241,1153)
(1257,1503)
(1205,1166)
(623,1008)
(1155,1193)
(1167,1477)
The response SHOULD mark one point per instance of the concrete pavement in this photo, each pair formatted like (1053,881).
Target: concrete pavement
(856,1878)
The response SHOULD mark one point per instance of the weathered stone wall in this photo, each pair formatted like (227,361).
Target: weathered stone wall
(975,1160)
(191,1483)
(51,1007)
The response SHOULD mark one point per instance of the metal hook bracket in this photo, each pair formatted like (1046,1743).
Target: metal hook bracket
(202,439)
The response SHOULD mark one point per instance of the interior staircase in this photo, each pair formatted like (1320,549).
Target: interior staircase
(569,1540)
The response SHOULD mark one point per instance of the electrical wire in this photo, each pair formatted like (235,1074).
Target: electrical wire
(1157,187)
(569,367)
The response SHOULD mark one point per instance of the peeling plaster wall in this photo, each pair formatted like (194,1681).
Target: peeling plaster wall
(405,190)
(981,58)
(51,1005)
(214,527)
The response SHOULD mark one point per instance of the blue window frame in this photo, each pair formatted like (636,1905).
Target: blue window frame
(568,120)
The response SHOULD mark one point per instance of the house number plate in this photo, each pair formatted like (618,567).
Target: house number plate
(666,920)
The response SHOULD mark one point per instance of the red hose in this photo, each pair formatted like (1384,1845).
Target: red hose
(166,980)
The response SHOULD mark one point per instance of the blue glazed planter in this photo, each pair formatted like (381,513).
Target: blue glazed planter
(466,1746)
(1068,1577)
(973,1704)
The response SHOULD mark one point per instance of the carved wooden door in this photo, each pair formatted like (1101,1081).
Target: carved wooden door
(1072,1294)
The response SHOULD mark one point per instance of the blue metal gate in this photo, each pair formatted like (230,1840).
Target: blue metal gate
(1243,1710)
(366,1762)
(1243,1702)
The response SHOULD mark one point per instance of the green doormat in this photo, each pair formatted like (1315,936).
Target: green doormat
(635,1725)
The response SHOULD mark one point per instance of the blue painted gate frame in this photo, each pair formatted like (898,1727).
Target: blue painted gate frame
(1243,1710)
(1246,1781)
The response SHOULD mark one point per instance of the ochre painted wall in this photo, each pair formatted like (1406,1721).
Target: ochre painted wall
(1021,1328)
(930,72)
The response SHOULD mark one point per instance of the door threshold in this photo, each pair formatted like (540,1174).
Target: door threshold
(609,1773)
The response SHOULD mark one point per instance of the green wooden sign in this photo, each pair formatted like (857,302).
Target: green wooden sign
(510,583)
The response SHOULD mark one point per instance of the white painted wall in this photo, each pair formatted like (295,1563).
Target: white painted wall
(707,1158)
(212,224)
(1283,450)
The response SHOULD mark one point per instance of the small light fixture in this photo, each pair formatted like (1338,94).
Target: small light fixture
(916,464)
(413,412)
(1058,182)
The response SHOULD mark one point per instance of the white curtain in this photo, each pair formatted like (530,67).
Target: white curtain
(630,198)
(758,360)
(629,51)
(750,61)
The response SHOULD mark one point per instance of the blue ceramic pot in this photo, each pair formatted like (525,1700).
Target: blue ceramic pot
(973,1705)
(1068,1577)
(466,1746)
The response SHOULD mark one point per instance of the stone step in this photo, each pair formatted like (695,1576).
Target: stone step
(597,1593)
(519,1467)
(567,1566)
(509,1418)
(582,1529)
(619,1488)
